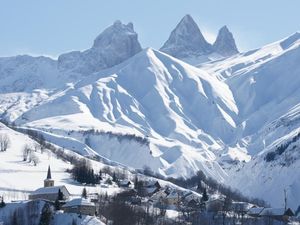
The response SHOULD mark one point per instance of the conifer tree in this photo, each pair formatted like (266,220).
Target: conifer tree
(57,204)
(14,219)
(204,196)
(84,193)
(60,195)
(114,177)
(2,203)
(46,215)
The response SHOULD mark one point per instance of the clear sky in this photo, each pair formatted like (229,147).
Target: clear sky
(56,26)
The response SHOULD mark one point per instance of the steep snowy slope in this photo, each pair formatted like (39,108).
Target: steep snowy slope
(187,43)
(182,109)
(26,81)
(265,86)
(262,81)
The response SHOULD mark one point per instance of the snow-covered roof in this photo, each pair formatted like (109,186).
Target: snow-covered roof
(125,182)
(255,210)
(150,190)
(273,212)
(151,183)
(78,202)
(192,197)
(159,194)
(173,194)
(48,190)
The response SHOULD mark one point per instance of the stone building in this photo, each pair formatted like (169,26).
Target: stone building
(49,191)
(80,206)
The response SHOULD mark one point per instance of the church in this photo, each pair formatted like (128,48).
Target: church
(49,191)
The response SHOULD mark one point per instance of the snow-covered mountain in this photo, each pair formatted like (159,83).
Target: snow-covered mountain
(114,45)
(25,73)
(265,86)
(151,94)
(236,119)
(187,43)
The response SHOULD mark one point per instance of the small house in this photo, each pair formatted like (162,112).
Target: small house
(277,213)
(255,211)
(173,198)
(80,206)
(126,184)
(241,207)
(190,196)
(158,196)
(151,187)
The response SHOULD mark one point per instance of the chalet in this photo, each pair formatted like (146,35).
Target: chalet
(241,207)
(255,211)
(277,213)
(80,206)
(126,184)
(158,196)
(49,191)
(151,187)
(190,196)
(173,198)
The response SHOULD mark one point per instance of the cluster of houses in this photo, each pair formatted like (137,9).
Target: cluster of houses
(154,194)
(53,193)
(281,214)
(173,197)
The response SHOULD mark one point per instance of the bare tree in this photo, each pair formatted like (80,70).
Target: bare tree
(4,142)
(34,159)
(26,153)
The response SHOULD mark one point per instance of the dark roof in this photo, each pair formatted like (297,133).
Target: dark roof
(49,173)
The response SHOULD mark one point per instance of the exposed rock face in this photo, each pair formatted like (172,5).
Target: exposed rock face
(187,43)
(114,45)
(186,40)
(225,43)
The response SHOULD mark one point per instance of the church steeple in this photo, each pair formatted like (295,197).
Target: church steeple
(48,182)
(49,173)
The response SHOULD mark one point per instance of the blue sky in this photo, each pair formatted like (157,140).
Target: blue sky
(57,26)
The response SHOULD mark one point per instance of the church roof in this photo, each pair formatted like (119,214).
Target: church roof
(48,190)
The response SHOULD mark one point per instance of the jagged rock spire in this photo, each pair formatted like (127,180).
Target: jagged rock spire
(186,40)
(225,43)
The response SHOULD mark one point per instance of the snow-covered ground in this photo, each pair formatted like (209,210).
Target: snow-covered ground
(19,178)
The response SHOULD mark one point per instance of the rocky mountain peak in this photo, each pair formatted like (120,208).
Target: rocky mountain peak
(225,43)
(186,40)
